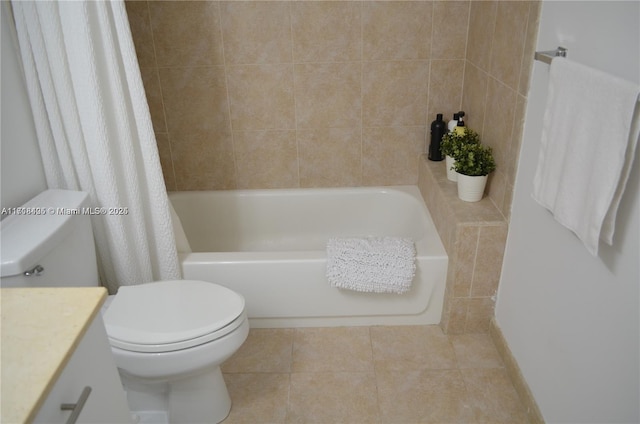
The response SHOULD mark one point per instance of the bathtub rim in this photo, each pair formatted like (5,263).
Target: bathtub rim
(429,245)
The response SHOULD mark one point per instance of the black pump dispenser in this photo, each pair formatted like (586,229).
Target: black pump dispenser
(438,130)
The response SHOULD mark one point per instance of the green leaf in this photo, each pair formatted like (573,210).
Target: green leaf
(474,160)
(452,142)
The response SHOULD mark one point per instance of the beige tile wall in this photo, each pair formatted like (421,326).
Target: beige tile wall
(501,42)
(268,94)
(320,93)
(271,94)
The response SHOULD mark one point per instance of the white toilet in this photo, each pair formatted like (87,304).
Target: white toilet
(168,338)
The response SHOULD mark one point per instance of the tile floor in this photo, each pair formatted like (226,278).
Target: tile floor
(361,375)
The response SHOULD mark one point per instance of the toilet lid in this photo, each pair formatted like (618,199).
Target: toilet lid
(149,316)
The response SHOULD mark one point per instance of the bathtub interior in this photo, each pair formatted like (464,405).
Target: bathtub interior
(293,220)
(269,246)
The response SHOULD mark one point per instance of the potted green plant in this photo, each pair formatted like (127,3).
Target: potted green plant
(474,162)
(451,145)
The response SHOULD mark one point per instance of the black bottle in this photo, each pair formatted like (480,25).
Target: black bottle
(438,129)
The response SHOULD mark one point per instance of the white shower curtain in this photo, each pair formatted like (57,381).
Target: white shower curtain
(95,131)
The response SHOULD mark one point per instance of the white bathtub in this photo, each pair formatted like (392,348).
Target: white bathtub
(269,246)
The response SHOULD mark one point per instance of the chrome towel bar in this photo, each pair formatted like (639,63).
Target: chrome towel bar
(548,55)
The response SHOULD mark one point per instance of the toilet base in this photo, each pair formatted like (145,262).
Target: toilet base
(150,417)
(201,398)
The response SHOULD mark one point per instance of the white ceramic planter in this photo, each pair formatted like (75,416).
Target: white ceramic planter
(471,189)
(451,173)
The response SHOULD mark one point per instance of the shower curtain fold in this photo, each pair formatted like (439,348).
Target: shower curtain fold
(95,133)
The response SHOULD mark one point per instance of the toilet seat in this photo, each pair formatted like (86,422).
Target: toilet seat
(171,315)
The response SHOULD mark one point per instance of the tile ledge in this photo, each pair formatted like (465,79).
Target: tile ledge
(482,213)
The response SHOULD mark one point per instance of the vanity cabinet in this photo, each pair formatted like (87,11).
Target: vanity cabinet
(54,344)
(91,365)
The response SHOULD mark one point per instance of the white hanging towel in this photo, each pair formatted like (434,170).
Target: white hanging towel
(371,264)
(589,135)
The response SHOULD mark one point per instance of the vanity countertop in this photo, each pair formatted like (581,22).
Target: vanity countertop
(41,327)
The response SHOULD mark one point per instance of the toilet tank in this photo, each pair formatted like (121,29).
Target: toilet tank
(48,242)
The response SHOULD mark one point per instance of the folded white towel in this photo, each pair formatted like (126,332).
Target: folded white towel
(371,264)
(588,143)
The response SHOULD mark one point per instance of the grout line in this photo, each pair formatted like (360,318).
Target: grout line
(164,111)
(523,59)
(226,84)
(314,62)
(155,60)
(465,58)
(289,374)
(488,71)
(293,89)
(429,112)
(473,276)
(375,374)
(361,179)
(293,92)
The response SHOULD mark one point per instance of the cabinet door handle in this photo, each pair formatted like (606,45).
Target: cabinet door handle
(76,408)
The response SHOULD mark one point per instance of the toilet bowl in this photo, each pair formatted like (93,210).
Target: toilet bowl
(168,339)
